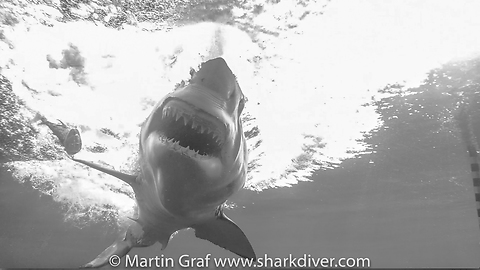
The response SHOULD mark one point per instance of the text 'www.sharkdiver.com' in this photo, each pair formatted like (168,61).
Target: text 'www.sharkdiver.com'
(186,261)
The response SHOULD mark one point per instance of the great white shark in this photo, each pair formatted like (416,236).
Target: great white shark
(192,157)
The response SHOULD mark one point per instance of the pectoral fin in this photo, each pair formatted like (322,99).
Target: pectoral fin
(127,178)
(223,232)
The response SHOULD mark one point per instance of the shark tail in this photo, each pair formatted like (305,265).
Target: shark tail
(119,248)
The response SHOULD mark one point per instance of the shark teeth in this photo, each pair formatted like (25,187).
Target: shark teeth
(167,112)
(172,112)
(197,133)
(175,145)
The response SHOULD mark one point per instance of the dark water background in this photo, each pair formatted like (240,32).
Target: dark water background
(354,211)
(409,203)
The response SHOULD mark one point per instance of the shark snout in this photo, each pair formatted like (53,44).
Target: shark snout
(204,99)
(216,76)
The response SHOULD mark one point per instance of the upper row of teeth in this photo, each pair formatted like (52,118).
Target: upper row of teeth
(169,111)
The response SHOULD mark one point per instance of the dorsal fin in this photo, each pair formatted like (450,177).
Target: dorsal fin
(127,178)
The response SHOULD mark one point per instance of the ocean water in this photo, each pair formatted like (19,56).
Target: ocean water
(409,203)
(352,123)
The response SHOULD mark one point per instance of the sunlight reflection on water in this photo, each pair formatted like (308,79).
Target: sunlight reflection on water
(305,104)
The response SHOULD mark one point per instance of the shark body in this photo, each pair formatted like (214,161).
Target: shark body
(193,157)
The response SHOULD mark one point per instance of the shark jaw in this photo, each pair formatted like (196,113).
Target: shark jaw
(187,136)
(190,131)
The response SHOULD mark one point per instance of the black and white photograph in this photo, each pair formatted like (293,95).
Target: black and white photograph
(234,134)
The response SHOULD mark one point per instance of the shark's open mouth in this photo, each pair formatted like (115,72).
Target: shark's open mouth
(190,130)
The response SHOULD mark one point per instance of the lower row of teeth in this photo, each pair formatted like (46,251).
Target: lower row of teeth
(177,147)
